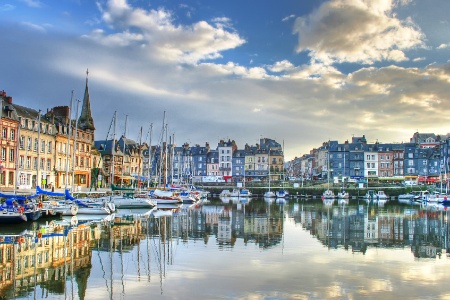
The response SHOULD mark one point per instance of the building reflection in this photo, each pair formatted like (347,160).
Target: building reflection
(44,259)
(57,257)
(359,227)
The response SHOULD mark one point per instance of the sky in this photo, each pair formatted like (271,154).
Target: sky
(301,72)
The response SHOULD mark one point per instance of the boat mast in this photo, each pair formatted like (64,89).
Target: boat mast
(165,159)
(75,145)
(38,180)
(140,159)
(171,157)
(150,156)
(123,153)
(68,142)
(16,180)
(113,149)
(160,149)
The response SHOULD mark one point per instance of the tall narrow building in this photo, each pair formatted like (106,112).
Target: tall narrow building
(86,122)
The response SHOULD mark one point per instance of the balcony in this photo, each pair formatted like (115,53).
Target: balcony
(224,169)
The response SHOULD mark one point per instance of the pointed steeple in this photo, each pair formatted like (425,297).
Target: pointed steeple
(85,122)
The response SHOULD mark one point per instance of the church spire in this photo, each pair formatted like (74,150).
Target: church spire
(85,122)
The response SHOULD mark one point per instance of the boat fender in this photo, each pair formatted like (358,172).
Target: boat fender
(21,209)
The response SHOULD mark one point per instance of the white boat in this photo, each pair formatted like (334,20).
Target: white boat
(62,207)
(343,194)
(270,194)
(282,193)
(164,197)
(225,193)
(240,193)
(328,194)
(131,200)
(94,209)
(92,206)
(372,195)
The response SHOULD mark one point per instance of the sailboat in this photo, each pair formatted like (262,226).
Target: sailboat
(269,193)
(343,194)
(282,193)
(328,194)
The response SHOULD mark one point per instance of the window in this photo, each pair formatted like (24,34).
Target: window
(49,147)
(49,164)
(4,133)
(11,178)
(42,146)
(35,163)
(21,160)
(4,154)
(36,143)
(11,155)
(29,143)
(21,142)
(42,164)
(13,135)
(28,162)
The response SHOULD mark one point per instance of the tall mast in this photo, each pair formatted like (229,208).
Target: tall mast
(171,157)
(140,159)
(113,149)
(150,156)
(165,160)
(68,142)
(16,180)
(161,148)
(38,178)
(123,154)
(75,135)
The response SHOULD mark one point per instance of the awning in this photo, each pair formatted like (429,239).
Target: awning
(141,178)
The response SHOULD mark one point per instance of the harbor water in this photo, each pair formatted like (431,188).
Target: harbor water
(233,249)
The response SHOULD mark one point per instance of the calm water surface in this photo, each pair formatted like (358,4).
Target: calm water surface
(299,249)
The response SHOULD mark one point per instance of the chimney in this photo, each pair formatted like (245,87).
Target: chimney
(8,99)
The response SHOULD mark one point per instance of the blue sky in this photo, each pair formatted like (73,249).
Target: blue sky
(301,72)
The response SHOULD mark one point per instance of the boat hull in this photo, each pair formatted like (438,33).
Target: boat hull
(8,217)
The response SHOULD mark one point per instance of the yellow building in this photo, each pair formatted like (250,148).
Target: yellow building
(9,127)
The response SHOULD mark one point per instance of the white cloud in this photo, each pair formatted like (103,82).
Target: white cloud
(33,3)
(7,7)
(162,39)
(360,31)
(285,19)
(443,46)
(36,27)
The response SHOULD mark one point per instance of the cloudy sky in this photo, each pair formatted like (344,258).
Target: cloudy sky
(300,72)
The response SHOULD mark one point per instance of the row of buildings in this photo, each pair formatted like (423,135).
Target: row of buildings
(52,149)
(422,160)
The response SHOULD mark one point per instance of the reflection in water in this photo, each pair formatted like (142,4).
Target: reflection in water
(70,258)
